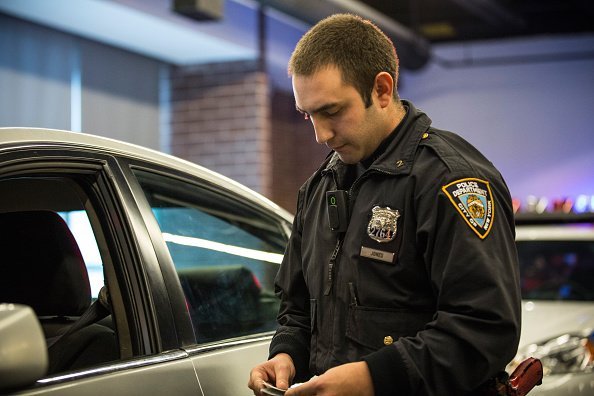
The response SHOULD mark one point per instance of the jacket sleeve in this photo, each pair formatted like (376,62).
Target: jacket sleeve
(294,333)
(475,330)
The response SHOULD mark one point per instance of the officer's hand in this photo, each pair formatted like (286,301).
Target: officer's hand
(351,379)
(278,371)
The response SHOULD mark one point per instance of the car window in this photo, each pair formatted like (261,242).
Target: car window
(226,253)
(557,270)
(80,226)
(51,262)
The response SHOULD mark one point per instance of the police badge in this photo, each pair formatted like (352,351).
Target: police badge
(473,200)
(383,224)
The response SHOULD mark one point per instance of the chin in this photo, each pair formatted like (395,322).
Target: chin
(346,159)
(350,158)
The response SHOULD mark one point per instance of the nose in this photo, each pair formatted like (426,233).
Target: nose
(322,130)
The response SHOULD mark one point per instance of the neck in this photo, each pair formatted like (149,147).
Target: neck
(394,117)
(397,114)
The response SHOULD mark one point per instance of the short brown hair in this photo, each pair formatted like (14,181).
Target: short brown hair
(356,46)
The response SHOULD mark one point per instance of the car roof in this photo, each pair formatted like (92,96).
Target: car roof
(554,226)
(569,232)
(22,137)
(530,218)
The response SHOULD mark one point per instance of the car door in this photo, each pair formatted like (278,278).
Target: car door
(85,186)
(219,251)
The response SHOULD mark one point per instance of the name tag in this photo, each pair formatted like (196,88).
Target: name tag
(375,254)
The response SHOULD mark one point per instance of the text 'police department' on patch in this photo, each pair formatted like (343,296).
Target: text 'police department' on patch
(474,201)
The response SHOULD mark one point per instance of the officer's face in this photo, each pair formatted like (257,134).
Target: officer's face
(338,114)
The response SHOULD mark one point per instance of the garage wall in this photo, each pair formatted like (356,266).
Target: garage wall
(296,154)
(220,119)
(53,80)
(35,75)
(120,95)
(231,119)
(527,104)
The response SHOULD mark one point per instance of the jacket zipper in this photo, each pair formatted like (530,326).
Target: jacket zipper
(331,264)
(334,257)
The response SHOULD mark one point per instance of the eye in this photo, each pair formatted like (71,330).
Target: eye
(331,113)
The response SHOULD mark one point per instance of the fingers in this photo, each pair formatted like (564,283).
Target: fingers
(351,379)
(284,370)
(257,377)
(278,371)
(283,374)
(312,387)
(302,390)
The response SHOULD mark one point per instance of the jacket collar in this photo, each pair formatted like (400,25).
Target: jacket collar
(399,155)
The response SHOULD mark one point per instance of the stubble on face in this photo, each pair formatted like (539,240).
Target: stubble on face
(338,114)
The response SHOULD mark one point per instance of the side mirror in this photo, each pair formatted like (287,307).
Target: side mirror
(23,351)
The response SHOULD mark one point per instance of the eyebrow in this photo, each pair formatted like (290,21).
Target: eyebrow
(317,110)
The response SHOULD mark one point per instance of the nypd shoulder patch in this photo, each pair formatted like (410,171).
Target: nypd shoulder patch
(474,201)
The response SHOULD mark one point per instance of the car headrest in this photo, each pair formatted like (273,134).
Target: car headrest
(41,264)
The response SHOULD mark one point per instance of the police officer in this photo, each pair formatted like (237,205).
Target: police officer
(401,274)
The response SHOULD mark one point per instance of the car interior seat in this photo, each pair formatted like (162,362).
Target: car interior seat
(42,267)
(224,301)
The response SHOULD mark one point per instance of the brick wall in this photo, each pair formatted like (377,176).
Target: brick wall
(296,154)
(220,119)
(226,117)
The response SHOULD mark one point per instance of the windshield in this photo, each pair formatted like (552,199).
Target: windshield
(557,270)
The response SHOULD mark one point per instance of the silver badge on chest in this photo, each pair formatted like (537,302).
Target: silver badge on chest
(383,224)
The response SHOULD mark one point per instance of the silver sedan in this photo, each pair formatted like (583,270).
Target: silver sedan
(128,271)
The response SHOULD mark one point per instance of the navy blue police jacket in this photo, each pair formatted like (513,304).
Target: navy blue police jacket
(424,283)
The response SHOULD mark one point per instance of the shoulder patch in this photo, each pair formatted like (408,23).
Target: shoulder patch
(474,201)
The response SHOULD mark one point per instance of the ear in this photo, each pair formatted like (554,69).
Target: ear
(383,88)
